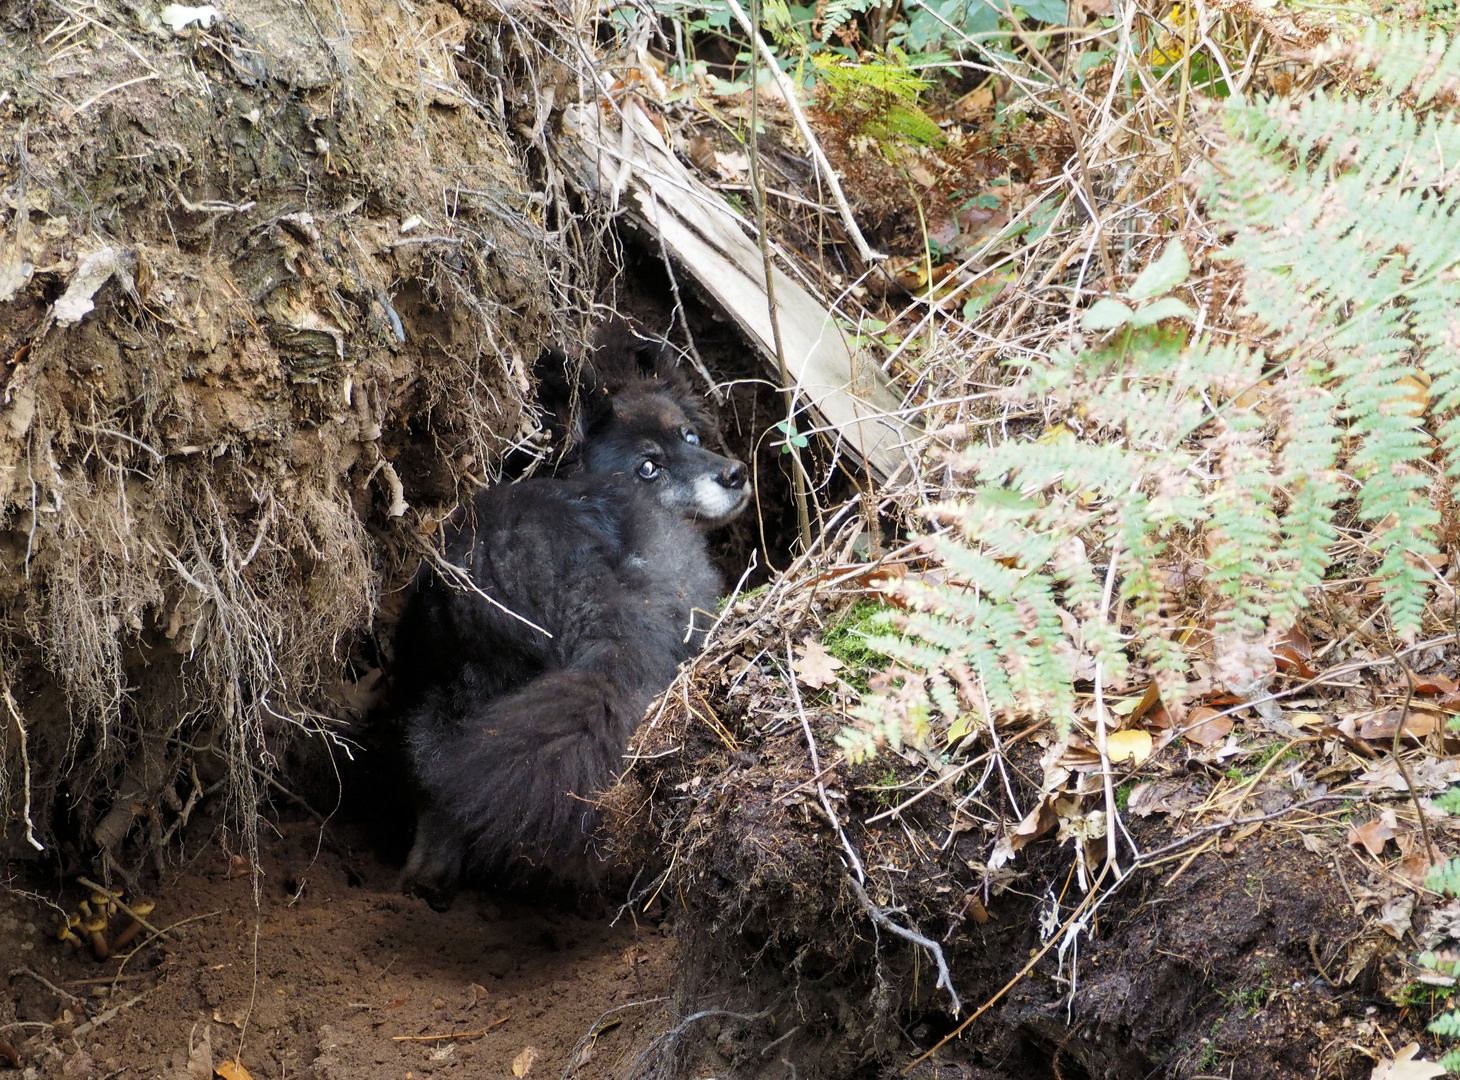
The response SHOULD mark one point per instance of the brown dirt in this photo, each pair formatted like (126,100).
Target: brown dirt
(1232,956)
(326,970)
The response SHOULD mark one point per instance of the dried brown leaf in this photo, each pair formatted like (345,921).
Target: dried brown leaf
(1206,726)
(817,667)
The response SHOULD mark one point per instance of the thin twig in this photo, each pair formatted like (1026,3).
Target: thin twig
(757,189)
(788,93)
(52,987)
(459,577)
(855,874)
(1101,738)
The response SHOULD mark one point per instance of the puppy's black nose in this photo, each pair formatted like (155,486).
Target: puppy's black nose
(733,477)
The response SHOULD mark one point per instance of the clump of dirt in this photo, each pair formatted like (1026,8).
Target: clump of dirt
(1222,952)
(271,282)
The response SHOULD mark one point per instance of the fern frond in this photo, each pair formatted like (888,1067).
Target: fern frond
(1445,877)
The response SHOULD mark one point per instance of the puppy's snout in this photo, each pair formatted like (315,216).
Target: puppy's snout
(733,477)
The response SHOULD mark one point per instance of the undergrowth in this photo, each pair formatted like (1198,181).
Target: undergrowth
(1342,214)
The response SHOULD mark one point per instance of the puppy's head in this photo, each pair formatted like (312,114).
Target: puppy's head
(655,438)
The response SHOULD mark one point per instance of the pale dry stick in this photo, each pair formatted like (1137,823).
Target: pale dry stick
(856,863)
(91,1025)
(1085,902)
(463,581)
(950,776)
(788,92)
(1077,135)
(52,987)
(799,477)
(116,898)
(1090,897)
(855,874)
(73,112)
(988,712)
(25,765)
(1112,811)
(446,1036)
(1409,683)
(679,313)
(680,1028)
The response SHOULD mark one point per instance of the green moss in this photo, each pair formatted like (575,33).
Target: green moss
(846,639)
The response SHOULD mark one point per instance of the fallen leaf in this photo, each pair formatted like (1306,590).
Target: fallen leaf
(1297,641)
(1314,843)
(1135,745)
(522,1063)
(701,153)
(961,727)
(817,667)
(1383,725)
(1036,823)
(1413,868)
(1206,726)
(1406,1067)
(232,1070)
(974,906)
(1416,389)
(1253,396)
(1307,719)
(1428,775)
(200,1055)
(9,1054)
(1373,836)
(1435,684)
(731,165)
(1394,917)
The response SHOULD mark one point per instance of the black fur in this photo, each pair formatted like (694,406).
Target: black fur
(512,732)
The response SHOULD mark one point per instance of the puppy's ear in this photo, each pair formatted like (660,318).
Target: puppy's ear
(575,401)
(624,355)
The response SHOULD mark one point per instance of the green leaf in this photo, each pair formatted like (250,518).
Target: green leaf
(1055,12)
(1450,801)
(1163,275)
(1105,314)
(1168,307)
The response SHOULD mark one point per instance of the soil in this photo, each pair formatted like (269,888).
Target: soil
(332,974)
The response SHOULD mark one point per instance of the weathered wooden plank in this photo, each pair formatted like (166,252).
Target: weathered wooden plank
(854,400)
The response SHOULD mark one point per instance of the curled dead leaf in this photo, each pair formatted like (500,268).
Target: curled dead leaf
(1373,835)
(232,1070)
(522,1063)
(1206,726)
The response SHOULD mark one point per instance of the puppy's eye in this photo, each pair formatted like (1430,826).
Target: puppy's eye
(648,470)
(690,437)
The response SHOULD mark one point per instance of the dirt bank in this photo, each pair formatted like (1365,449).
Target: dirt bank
(271,282)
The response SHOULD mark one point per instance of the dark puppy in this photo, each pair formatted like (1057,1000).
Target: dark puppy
(513,727)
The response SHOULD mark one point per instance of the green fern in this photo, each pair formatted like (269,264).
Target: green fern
(883,92)
(1345,223)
